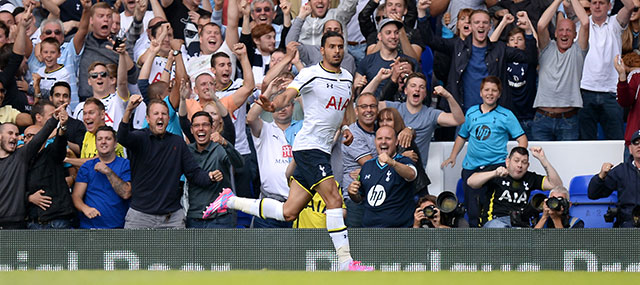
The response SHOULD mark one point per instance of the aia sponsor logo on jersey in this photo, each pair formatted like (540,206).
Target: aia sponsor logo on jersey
(337,104)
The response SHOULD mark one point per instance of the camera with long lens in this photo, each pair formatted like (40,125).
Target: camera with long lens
(430,211)
(558,204)
(450,210)
(528,215)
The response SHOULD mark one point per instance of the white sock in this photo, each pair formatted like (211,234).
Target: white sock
(339,236)
(270,208)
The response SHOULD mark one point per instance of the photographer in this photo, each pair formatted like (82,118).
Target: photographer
(428,215)
(509,188)
(420,220)
(558,217)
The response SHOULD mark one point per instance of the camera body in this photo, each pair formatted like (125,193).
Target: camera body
(611,215)
(448,207)
(558,204)
(528,215)
(430,211)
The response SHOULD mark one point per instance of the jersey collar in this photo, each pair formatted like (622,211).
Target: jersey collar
(228,86)
(325,69)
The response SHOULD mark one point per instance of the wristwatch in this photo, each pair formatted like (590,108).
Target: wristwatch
(176,52)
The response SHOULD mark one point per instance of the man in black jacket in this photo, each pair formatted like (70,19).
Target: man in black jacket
(624,178)
(158,159)
(13,169)
(48,194)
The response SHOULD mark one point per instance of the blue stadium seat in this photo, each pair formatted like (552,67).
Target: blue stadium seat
(590,211)
(460,191)
(534,192)
(244,220)
(460,196)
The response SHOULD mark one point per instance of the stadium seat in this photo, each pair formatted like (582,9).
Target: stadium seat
(460,191)
(460,196)
(534,192)
(590,211)
(244,220)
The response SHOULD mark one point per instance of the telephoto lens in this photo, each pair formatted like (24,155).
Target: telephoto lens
(555,203)
(430,211)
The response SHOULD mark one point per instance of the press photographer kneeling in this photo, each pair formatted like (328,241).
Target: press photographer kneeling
(442,212)
(555,213)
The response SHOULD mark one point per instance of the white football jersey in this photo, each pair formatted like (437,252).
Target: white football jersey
(114,107)
(325,95)
(239,117)
(51,77)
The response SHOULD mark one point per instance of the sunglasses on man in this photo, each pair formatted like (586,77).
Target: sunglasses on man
(95,75)
(56,32)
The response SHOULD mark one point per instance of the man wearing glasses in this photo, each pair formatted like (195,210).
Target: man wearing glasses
(112,90)
(360,151)
(624,178)
(99,47)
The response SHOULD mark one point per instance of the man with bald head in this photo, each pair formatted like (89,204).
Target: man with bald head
(13,168)
(561,61)
(385,186)
(310,54)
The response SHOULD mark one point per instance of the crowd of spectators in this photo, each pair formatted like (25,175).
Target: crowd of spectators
(138,113)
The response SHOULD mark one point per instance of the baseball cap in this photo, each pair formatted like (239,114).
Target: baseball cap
(8,7)
(386,21)
(635,136)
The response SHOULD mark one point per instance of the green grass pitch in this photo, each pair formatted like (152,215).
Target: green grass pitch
(309,278)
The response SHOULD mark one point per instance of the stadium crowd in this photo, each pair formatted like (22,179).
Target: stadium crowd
(142,113)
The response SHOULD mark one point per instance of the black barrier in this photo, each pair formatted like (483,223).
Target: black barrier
(308,249)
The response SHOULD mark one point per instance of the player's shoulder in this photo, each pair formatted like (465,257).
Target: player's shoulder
(345,74)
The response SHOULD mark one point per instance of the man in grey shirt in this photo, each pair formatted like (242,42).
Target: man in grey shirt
(95,49)
(421,121)
(558,99)
(361,150)
(311,31)
(310,54)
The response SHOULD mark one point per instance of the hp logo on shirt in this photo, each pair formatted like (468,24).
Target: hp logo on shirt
(376,195)
(483,133)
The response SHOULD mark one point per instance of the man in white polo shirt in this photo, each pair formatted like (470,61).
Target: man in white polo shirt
(273,142)
(598,85)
